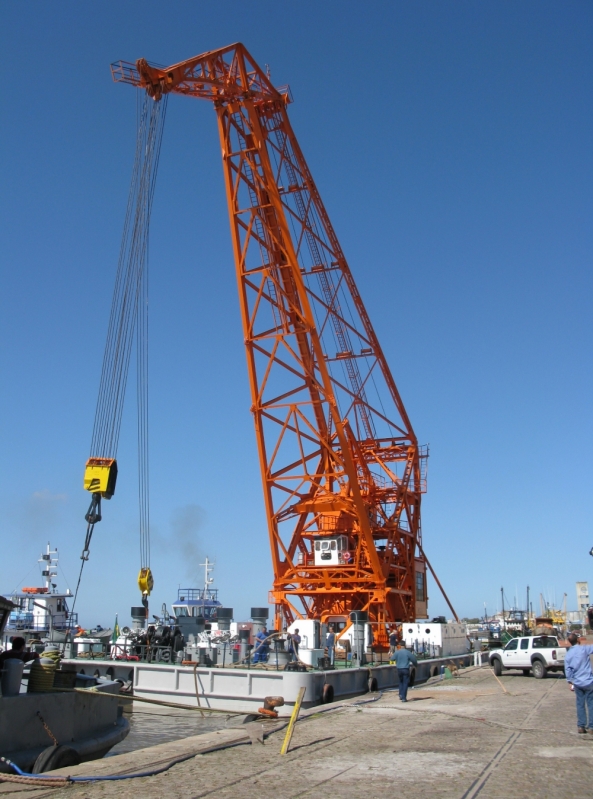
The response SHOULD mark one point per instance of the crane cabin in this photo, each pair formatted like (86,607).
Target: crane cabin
(331,550)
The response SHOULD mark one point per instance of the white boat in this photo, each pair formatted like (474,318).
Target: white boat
(42,612)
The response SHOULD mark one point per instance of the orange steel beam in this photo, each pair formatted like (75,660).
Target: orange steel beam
(337,451)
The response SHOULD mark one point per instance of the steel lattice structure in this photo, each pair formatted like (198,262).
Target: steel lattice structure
(337,451)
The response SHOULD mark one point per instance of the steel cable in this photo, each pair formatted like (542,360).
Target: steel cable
(132,264)
(129,315)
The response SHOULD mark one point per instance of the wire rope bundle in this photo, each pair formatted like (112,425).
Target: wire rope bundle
(128,317)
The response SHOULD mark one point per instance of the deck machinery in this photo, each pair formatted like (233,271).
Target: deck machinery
(341,468)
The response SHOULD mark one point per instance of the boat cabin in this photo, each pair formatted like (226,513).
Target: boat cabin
(197,602)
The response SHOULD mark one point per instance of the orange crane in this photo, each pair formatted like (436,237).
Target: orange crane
(341,468)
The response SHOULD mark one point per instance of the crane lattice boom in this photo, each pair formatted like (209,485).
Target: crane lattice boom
(341,468)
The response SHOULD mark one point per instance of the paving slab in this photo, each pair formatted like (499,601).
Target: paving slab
(471,736)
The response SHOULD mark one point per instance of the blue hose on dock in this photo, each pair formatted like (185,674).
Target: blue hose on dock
(45,777)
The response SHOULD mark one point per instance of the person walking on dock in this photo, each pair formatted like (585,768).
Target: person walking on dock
(579,675)
(403,659)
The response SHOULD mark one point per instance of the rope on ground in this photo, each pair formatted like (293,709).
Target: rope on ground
(126,698)
(499,682)
(38,782)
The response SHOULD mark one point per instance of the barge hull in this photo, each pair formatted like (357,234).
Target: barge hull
(244,690)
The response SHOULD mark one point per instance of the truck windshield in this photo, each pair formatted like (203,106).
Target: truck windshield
(545,642)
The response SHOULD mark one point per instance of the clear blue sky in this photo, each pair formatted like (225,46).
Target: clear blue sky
(452,145)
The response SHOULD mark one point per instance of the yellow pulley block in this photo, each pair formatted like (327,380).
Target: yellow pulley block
(145,581)
(100,475)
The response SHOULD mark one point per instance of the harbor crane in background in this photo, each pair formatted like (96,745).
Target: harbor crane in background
(341,468)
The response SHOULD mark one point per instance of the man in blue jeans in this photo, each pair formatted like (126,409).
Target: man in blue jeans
(579,675)
(403,659)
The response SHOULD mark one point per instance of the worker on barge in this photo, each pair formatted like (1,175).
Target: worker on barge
(262,646)
(18,652)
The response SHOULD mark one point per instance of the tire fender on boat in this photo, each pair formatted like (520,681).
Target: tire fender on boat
(56,757)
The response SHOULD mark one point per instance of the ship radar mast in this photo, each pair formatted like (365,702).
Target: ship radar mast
(49,561)
(208,567)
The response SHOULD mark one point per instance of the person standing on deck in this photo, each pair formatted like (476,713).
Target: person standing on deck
(403,659)
(18,652)
(262,646)
(330,643)
(294,639)
(579,675)
(393,642)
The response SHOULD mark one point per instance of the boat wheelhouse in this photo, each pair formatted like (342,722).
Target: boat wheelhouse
(199,602)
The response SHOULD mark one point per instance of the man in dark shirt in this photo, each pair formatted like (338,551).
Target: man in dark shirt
(17,652)
(403,659)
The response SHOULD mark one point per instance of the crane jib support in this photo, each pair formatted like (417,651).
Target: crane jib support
(341,469)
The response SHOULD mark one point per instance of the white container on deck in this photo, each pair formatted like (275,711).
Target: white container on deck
(310,648)
(437,640)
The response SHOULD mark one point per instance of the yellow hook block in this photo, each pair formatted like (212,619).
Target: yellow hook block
(145,581)
(100,476)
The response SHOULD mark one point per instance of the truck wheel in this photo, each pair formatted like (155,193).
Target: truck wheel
(497,666)
(526,672)
(539,670)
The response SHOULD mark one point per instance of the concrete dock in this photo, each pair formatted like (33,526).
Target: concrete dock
(464,737)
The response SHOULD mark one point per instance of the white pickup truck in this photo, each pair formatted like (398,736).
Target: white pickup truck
(539,654)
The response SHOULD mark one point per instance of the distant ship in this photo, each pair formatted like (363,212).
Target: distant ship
(42,612)
(199,601)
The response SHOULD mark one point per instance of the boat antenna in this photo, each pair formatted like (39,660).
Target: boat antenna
(208,567)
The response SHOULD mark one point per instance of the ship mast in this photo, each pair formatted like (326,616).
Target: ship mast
(49,559)
(208,567)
